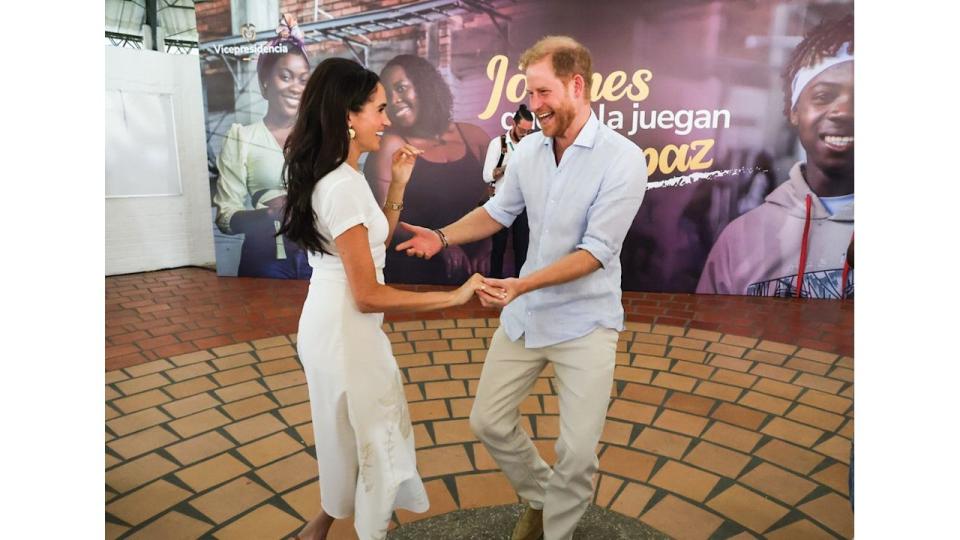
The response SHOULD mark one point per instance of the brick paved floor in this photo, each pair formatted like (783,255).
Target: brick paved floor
(730,417)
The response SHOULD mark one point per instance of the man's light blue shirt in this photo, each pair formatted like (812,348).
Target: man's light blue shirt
(586,202)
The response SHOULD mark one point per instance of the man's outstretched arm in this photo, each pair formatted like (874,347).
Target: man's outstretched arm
(480,223)
(426,243)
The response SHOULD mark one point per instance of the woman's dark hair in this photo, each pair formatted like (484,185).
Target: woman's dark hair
(821,41)
(435,110)
(319,142)
(266,61)
(523,113)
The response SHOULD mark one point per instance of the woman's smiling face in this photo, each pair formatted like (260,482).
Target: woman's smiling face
(368,124)
(402,106)
(283,88)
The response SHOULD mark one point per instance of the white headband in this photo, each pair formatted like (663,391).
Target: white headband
(807,74)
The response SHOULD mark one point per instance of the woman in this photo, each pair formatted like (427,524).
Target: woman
(447,182)
(364,440)
(251,161)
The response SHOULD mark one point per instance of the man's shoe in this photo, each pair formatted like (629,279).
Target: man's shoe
(530,526)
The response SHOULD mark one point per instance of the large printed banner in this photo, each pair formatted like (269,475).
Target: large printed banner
(747,129)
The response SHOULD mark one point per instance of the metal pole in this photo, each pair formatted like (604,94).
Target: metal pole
(151,16)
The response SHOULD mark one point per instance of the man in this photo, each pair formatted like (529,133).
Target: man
(799,242)
(581,184)
(498,154)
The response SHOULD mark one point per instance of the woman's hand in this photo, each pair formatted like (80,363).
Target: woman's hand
(465,292)
(401,165)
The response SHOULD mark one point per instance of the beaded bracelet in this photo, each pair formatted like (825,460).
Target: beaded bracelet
(443,238)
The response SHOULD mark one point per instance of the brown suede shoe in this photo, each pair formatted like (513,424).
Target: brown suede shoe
(530,525)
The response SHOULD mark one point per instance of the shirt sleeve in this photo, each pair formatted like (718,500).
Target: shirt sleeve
(612,212)
(341,206)
(490,163)
(232,184)
(508,203)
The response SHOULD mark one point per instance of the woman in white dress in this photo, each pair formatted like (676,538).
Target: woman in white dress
(364,441)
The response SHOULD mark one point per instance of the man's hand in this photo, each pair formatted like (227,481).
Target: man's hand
(424,244)
(499,292)
(498,172)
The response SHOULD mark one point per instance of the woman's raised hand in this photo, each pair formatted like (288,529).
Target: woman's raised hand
(401,166)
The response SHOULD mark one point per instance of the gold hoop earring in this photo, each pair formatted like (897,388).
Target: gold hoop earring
(353,134)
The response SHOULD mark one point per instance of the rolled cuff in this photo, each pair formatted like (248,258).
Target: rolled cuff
(498,214)
(598,249)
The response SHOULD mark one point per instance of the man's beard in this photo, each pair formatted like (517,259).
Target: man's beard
(562,119)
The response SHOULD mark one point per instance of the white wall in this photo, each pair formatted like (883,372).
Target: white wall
(150,233)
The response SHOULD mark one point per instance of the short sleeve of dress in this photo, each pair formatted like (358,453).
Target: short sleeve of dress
(342,205)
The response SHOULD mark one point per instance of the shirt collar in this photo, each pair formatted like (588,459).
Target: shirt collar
(587,135)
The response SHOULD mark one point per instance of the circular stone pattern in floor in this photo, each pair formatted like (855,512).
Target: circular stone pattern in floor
(707,436)
(496,523)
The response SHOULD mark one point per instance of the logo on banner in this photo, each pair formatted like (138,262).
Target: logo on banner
(248,32)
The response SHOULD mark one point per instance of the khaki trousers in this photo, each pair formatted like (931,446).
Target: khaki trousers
(584,374)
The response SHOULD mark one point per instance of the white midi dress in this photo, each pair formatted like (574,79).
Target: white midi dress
(361,424)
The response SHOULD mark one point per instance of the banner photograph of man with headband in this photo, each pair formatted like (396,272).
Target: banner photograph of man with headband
(799,242)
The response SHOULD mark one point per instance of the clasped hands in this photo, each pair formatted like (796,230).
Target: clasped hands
(426,243)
